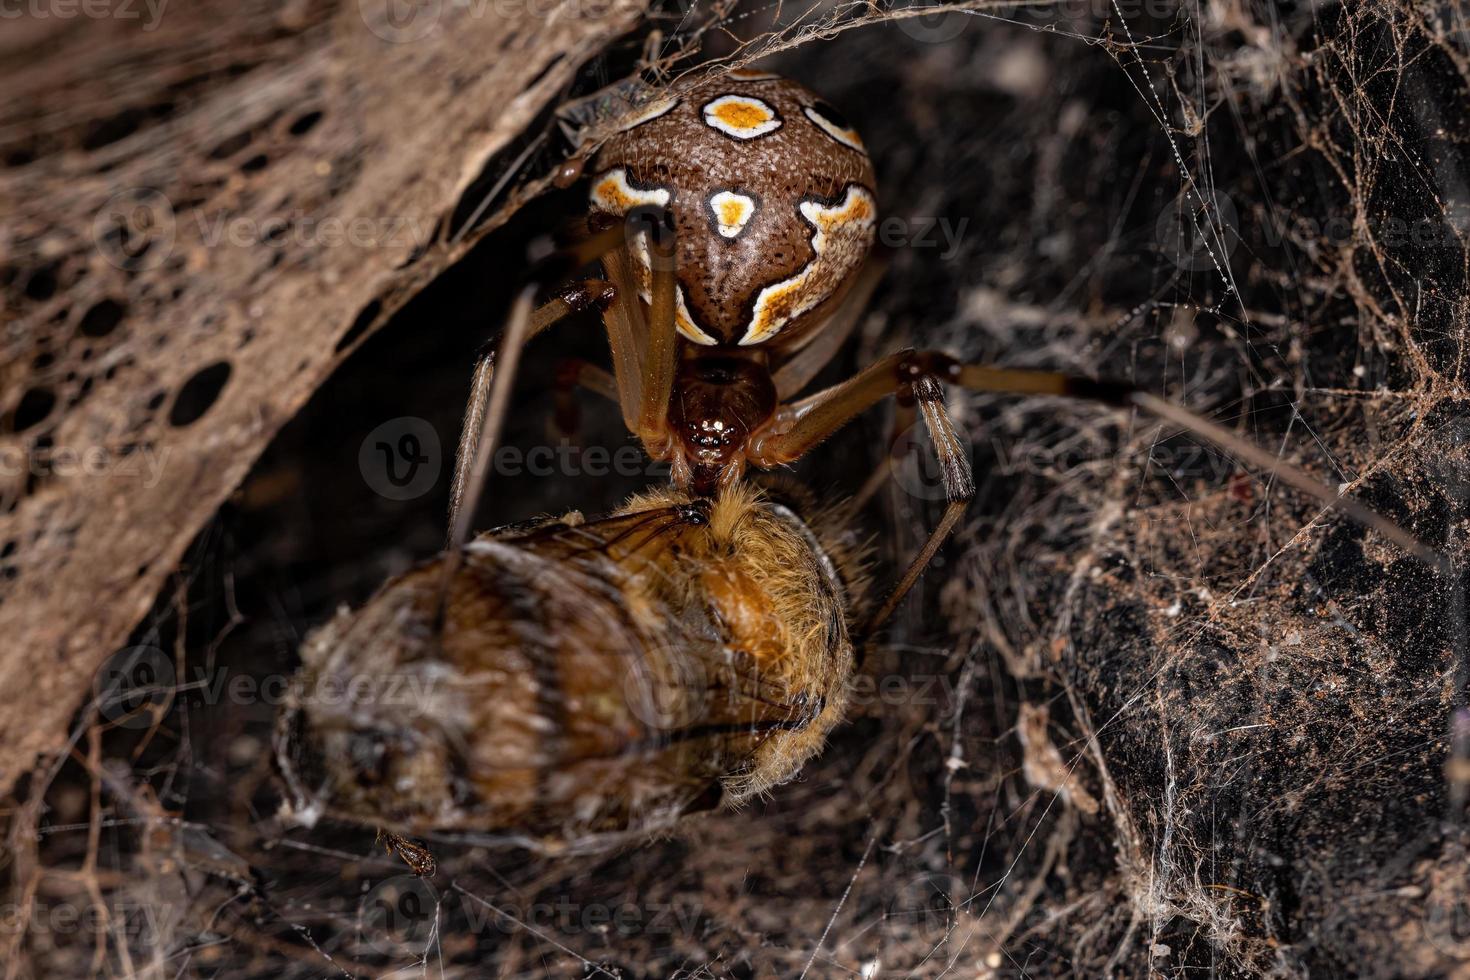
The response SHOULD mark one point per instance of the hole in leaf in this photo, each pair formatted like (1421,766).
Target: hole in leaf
(34,406)
(305,124)
(102,318)
(199,394)
(42,283)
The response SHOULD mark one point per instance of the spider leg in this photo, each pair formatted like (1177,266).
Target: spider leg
(484,412)
(644,356)
(979,377)
(490,390)
(627,332)
(799,427)
(959,490)
(663,337)
(644,347)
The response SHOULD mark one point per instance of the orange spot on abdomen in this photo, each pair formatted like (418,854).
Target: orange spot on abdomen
(741,115)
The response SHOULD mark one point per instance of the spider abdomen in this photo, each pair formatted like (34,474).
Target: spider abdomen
(773,200)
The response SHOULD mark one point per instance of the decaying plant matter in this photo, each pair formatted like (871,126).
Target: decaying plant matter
(205,212)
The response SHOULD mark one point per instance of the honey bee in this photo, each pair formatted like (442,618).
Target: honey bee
(577,677)
(589,677)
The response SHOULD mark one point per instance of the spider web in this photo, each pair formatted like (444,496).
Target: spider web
(1150,714)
